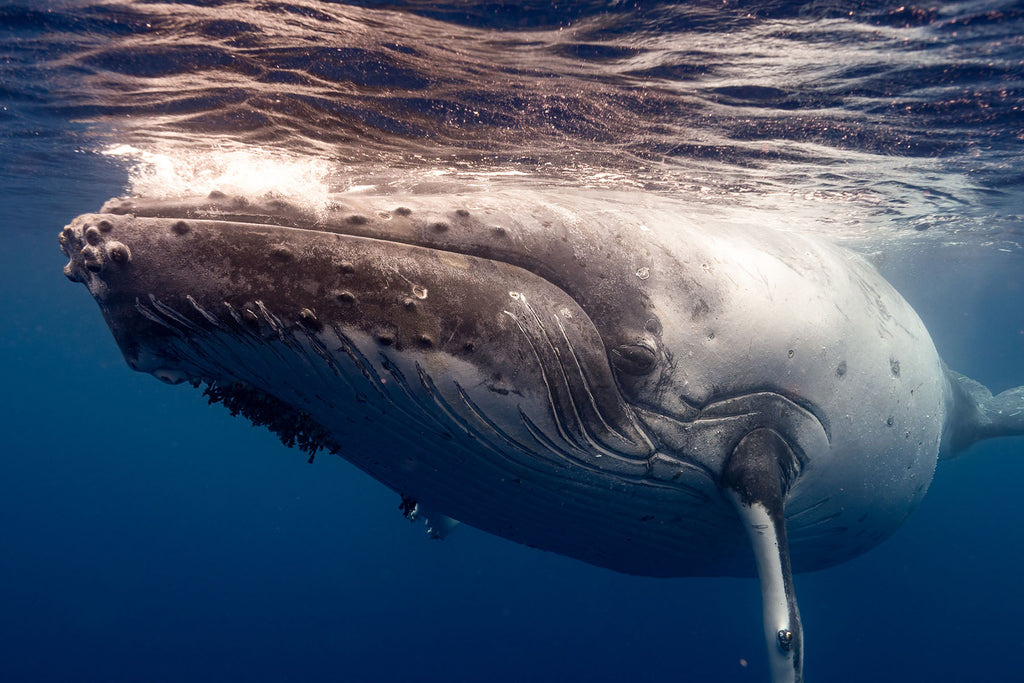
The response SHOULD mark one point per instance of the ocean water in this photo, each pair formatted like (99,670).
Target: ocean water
(148,537)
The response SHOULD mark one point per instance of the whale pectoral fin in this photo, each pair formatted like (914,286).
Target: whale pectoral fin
(755,480)
(438,525)
(976,414)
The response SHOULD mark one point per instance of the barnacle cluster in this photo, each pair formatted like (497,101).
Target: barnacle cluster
(295,428)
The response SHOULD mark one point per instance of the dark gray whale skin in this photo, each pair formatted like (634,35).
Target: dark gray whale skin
(567,372)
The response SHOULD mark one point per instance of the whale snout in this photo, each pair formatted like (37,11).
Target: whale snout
(87,242)
(160,280)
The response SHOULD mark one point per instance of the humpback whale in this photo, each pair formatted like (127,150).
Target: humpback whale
(597,375)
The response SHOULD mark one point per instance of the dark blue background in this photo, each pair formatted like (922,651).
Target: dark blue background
(145,536)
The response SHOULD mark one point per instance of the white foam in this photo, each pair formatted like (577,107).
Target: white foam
(248,171)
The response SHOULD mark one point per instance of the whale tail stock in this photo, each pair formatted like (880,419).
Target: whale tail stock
(975,414)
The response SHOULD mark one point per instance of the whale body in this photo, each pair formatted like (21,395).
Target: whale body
(598,375)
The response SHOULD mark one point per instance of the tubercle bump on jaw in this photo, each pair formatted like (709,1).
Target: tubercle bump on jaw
(87,244)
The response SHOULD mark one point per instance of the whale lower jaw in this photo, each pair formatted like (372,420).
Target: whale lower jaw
(433,444)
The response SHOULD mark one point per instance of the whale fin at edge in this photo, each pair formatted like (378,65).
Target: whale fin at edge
(976,414)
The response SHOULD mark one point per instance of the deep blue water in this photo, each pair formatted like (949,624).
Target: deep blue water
(147,536)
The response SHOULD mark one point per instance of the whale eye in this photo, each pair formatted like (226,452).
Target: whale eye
(785,639)
(633,359)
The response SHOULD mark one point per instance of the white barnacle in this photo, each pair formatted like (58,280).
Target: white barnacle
(419,292)
(643,272)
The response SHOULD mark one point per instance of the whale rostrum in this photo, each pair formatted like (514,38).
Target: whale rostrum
(595,374)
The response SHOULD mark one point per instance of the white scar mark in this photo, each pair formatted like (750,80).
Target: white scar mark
(418,291)
(458,322)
